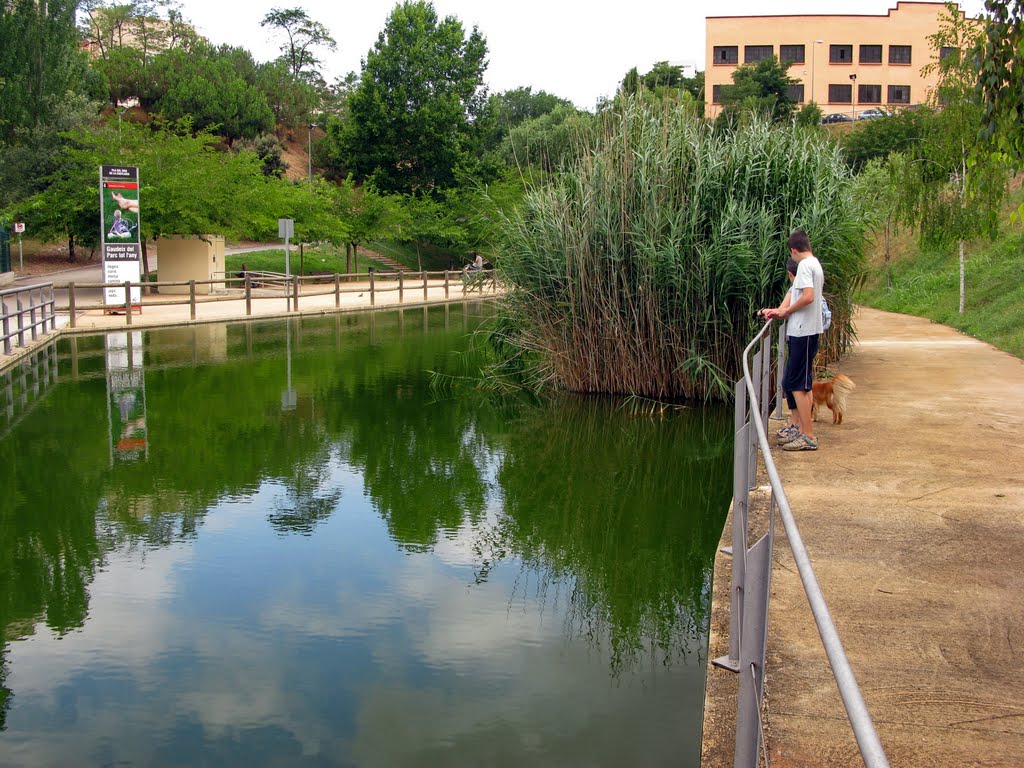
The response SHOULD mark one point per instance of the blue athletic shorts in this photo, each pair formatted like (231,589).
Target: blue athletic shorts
(799,375)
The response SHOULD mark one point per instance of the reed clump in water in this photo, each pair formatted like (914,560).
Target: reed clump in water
(640,268)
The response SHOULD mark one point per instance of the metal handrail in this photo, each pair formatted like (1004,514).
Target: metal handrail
(864,731)
(38,313)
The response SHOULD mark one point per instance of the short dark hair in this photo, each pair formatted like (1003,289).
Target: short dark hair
(799,241)
(791,265)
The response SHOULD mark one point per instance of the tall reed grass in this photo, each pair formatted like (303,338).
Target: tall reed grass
(640,268)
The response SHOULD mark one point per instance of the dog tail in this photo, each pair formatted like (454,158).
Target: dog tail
(841,387)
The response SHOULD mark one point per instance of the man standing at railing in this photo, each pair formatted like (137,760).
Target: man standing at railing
(802,309)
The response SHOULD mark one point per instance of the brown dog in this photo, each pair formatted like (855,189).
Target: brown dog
(832,393)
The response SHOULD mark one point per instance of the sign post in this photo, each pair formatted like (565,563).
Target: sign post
(286,230)
(19,228)
(119,234)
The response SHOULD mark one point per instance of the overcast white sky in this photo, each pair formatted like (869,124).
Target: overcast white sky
(575,50)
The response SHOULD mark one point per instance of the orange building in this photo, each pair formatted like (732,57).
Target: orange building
(846,64)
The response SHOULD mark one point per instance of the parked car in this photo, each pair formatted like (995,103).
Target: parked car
(837,117)
(868,114)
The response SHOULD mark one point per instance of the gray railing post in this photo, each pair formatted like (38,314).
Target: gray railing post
(21,321)
(7,327)
(32,313)
(192,299)
(780,366)
(401,287)
(248,294)
(295,293)
(337,290)
(740,506)
(71,303)
(752,653)
(424,276)
(446,272)
(128,304)
(373,298)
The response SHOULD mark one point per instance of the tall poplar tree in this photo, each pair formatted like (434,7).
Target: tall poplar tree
(413,118)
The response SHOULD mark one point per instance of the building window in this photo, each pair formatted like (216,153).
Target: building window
(869,94)
(794,54)
(871,54)
(727,54)
(755,53)
(716,94)
(899,54)
(840,54)
(948,50)
(840,94)
(899,94)
(795,93)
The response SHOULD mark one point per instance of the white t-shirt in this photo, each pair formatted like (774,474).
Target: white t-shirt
(806,321)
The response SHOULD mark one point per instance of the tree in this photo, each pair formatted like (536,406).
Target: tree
(762,87)
(952,193)
(901,131)
(513,107)
(303,35)
(40,62)
(1002,81)
(413,115)
(188,188)
(206,87)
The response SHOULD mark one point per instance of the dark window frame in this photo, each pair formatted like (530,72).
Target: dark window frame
(892,90)
(795,93)
(716,94)
(871,58)
(834,56)
(755,53)
(839,88)
(896,54)
(867,99)
(792,49)
(948,50)
(725,49)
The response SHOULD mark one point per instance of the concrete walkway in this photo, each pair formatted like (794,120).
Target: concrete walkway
(913,513)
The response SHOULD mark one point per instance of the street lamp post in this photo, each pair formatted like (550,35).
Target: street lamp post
(309,149)
(853,97)
(814,58)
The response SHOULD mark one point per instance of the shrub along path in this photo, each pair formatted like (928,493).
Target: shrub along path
(913,514)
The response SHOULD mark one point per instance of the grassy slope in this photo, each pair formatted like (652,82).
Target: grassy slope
(927,284)
(316,259)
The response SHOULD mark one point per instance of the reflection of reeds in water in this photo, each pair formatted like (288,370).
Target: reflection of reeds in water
(615,518)
(641,268)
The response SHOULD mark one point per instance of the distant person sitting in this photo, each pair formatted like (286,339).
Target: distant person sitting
(244,272)
(478,261)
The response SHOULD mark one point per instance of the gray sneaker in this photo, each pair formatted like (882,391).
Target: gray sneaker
(786,435)
(801,443)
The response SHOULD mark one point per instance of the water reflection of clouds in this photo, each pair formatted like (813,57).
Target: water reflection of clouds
(341,648)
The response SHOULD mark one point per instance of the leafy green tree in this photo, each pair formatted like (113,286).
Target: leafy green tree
(549,141)
(810,114)
(303,35)
(952,193)
(514,107)
(291,99)
(901,131)
(40,62)
(1002,82)
(206,87)
(413,115)
(1002,76)
(268,149)
(763,88)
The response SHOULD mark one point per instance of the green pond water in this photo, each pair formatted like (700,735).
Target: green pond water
(282,544)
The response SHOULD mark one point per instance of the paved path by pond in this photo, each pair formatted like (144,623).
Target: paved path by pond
(913,514)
